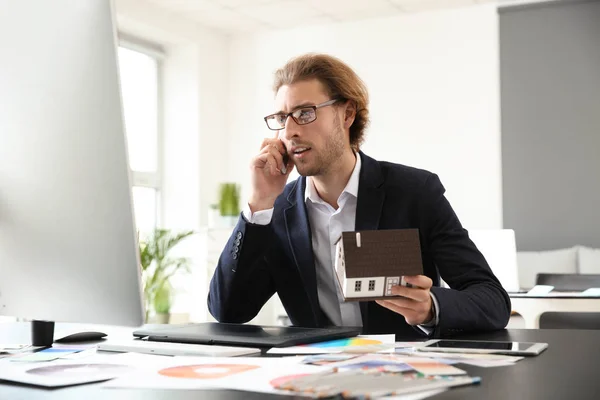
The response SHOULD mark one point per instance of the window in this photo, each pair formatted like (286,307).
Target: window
(371,285)
(139,70)
(357,286)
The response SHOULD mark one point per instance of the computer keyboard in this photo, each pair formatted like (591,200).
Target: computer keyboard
(175,349)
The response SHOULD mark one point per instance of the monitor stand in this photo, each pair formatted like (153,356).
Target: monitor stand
(42,333)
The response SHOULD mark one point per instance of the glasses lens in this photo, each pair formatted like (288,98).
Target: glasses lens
(305,115)
(275,121)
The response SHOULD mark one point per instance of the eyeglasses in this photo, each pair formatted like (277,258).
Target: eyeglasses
(302,116)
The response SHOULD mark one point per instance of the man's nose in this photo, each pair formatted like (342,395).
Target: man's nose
(291,129)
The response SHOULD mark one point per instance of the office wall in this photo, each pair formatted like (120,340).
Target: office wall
(433,81)
(193,135)
(550,87)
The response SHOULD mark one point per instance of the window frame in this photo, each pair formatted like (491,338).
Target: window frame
(152,180)
(358,286)
(371,285)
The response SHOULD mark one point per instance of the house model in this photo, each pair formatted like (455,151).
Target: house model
(369,263)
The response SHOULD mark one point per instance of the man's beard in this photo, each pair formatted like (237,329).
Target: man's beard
(325,159)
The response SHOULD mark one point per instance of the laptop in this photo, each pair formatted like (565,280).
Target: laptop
(243,334)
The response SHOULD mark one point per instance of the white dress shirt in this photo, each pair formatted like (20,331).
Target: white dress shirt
(327,225)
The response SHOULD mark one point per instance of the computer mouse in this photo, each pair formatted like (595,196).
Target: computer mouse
(85,336)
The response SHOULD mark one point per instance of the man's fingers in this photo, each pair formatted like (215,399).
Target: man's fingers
(411,316)
(273,164)
(415,294)
(262,160)
(395,306)
(413,312)
(278,150)
(402,303)
(273,151)
(420,281)
(275,143)
(269,157)
(408,304)
(415,304)
(278,146)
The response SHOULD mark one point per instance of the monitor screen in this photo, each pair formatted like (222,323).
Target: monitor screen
(68,243)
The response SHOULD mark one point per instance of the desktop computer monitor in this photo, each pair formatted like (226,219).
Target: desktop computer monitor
(68,243)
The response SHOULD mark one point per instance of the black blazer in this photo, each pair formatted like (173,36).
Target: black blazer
(260,260)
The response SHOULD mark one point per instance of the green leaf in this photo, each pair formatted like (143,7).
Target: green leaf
(162,299)
(158,267)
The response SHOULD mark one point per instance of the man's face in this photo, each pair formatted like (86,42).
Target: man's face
(315,147)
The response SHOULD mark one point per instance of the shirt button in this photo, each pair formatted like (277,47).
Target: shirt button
(239,235)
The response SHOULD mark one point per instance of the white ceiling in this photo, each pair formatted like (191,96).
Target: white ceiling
(238,16)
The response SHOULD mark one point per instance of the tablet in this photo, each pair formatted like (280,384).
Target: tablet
(484,347)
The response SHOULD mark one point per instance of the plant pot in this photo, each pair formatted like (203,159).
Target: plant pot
(162,318)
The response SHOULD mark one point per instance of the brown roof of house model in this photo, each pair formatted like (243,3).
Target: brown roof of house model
(382,253)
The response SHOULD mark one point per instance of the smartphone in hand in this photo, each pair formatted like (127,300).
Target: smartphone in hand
(286,158)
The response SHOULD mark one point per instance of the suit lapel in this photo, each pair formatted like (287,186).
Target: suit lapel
(371,196)
(298,231)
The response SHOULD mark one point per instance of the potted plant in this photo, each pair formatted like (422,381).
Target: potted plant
(162,304)
(229,201)
(158,266)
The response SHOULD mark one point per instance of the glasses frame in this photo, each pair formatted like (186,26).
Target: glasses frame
(315,107)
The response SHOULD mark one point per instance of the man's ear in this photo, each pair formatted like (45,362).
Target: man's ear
(349,114)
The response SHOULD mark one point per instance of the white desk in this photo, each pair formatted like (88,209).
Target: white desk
(544,377)
(20,332)
(531,308)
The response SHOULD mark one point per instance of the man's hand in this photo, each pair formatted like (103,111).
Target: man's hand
(270,169)
(416,306)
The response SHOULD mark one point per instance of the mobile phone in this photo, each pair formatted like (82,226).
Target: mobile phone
(286,158)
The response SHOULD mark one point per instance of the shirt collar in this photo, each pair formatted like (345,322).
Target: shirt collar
(351,187)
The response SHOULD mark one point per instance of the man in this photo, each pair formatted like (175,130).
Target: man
(284,240)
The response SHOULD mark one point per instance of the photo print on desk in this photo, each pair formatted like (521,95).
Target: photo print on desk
(241,373)
(205,371)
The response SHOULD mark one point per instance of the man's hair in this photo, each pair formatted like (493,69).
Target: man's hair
(339,80)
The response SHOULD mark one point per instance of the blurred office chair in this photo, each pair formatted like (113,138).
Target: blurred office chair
(569,283)
(570,320)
